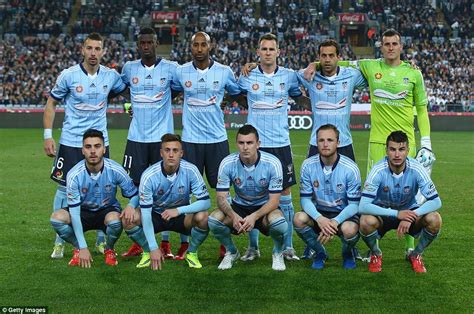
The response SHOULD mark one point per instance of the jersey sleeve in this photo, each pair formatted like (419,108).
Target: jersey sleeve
(123,180)
(176,81)
(223,177)
(60,89)
(294,88)
(358,79)
(354,183)
(146,194)
(301,79)
(126,79)
(276,179)
(231,85)
(119,85)
(306,186)
(198,186)
(425,184)
(73,192)
(421,104)
(371,185)
(244,84)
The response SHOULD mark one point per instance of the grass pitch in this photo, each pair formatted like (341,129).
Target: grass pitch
(29,277)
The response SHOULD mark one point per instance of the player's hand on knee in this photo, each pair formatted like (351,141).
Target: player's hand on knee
(326,226)
(403,228)
(156,258)
(128,215)
(324,238)
(50,147)
(407,215)
(237,223)
(248,223)
(85,258)
(169,214)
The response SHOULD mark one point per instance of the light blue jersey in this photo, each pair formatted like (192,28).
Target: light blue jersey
(203,119)
(397,192)
(253,184)
(85,101)
(267,98)
(331,189)
(150,93)
(94,192)
(331,100)
(160,192)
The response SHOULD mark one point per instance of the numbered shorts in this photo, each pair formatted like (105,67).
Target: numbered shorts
(66,158)
(286,159)
(378,151)
(175,224)
(347,151)
(244,211)
(206,157)
(331,215)
(94,220)
(139,156)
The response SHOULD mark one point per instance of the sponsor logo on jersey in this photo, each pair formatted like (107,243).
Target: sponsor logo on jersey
(58,174)
(316,184)
(378,75)
(406,190)
(148,77)
(237,181)
(269,83)
(386,189)
(263,182)
(188,84)
(163,81)
(201,80)
(282,86)
(255,86)
(319,85)
(135,80)
(79,89)
(84,190)
(181,190)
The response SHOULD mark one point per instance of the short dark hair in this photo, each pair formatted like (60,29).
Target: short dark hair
(168,137)
(391,32)
(147,31)
(206,36)
(330,43)
(93,133)
(328,127)
(268,36)
(248,129)
(94,36)
(397,137)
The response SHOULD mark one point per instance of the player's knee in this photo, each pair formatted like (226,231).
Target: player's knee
(433,221)
(274,215)
(349,229)
(368,224)
(300,220)
(111,216)
(61,215)
(128,225)
(200,220)
(218,214)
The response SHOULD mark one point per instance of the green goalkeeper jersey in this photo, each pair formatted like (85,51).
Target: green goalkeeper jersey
(394,90)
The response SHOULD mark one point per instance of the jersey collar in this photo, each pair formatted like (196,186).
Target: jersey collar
(163,169)
(156,63)
(85,71)
(261,70)
(101,169)
(256,162)
(211,63)
(335,163)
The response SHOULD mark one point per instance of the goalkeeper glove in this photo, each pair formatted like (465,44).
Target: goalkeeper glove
(426,157)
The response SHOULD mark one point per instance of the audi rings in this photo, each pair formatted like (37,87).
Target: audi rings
(300,122)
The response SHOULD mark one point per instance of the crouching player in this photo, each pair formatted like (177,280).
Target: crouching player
(388,202)
(165,188)
(330,187)
(257,178)
(91,187)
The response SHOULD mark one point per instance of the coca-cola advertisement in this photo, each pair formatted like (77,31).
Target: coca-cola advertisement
(352,18)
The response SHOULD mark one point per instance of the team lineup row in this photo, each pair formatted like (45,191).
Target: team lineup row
(152,83)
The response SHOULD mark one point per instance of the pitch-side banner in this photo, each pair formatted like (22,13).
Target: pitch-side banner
(296,121)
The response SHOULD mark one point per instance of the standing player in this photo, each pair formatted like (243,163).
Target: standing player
(149,80)
(388,202)
(257,179)
(395,87)
(164,205)
(84,88)
(91,201)
(330,187)
(268,88)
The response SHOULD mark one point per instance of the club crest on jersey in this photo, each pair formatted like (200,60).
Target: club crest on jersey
(181,189)
(386,189)
(282,86)
(188,84)
(108,188)
(79,89)
(255,86)
(237,181)
(344,85)
(215,85)
(378,75)
(316,184)
(406,80)
(339,188)
(161,192)
(105,87)
(135,80)
(163,81)
(406,190)
(319,85)
(263,182)
(84,190)
(142,197)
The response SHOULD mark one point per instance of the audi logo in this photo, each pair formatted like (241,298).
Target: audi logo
(300,122)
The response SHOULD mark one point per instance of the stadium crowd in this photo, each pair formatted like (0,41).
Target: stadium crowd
(33,59)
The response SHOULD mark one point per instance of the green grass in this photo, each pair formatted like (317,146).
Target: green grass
(29,277)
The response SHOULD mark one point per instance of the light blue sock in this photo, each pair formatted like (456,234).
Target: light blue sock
(253,238)
(184,238)
(165,236)
(372,242)
(100,237)
(198,236)
(349,244)
(138,236)
(310,237)
(60,202)
(65,231)
(286,205)
(113,231)
(222,233)
(426,238)
(278,228)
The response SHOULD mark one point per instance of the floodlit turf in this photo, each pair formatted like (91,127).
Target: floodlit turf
(29,277)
